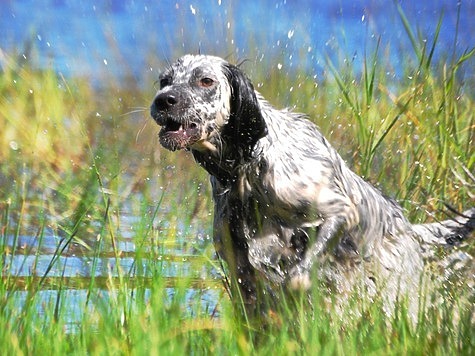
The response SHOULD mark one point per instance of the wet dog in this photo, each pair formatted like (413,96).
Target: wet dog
(288,210)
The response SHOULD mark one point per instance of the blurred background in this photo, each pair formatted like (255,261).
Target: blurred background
(125,38)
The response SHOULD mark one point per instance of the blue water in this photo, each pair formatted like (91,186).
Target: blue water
(130,38)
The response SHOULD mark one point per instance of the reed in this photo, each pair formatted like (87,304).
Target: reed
(78,163)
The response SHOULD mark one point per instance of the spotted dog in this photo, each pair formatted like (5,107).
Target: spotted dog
(288,210)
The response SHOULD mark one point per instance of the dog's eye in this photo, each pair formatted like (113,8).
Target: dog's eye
(164,82)
(206,82)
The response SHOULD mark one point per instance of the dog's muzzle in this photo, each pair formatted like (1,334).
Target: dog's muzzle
(178,131)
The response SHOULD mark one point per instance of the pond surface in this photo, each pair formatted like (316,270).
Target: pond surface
(56,266)
(123,38)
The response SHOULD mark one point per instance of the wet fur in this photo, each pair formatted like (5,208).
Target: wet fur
(288,210)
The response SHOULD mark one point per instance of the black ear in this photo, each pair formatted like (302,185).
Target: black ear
(246,124)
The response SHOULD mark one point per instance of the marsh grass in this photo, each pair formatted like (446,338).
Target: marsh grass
(78,161)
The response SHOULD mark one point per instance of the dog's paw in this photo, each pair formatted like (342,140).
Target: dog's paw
(300,280)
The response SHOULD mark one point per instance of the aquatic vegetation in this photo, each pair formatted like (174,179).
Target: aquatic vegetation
(105,238)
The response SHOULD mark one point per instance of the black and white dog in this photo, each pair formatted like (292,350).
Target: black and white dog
(288,210)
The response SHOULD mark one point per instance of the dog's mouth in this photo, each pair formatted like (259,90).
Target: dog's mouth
(175,135)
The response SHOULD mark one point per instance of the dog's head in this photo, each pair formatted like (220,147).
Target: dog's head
(205,102)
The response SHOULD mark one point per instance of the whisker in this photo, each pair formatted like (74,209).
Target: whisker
(136,110)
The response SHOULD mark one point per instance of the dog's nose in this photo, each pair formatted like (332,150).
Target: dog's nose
(164,101)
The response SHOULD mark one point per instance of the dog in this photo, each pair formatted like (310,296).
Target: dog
(288,210)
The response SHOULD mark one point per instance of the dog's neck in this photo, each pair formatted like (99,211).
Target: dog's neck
(223,163)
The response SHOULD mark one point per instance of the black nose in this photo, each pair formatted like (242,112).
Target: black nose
(164,101)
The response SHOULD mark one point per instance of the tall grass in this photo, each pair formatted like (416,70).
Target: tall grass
(76,162)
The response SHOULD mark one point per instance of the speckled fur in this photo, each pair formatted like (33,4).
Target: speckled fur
(288,210)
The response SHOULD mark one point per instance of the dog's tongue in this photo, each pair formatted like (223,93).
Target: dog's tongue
(175,135)
(186,132)
(180,129)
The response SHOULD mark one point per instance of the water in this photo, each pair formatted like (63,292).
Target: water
(127,38)
(41,264)
(54,254)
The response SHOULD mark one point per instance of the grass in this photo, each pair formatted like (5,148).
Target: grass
(82,173)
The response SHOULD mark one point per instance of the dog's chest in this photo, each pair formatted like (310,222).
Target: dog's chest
(265,212)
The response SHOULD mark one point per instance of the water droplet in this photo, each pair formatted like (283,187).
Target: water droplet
(14,145)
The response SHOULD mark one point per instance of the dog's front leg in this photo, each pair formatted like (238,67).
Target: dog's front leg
(329,234)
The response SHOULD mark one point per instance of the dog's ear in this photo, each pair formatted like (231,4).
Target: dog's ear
(246,124)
